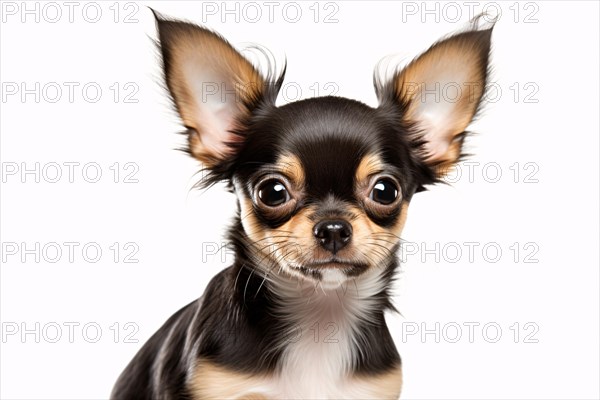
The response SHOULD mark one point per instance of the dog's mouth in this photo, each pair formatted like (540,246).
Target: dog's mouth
(319,268)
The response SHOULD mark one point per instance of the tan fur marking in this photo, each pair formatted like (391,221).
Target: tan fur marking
(286,243)
(249,221)
(299,230)
(370,164)
(291,166)
(385,386)
(366,231)
(211,381)
(452,155)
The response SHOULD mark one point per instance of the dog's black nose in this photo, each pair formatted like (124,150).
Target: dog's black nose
(333,234)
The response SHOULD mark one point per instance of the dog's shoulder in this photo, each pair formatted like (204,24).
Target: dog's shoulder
(156,361)
(160,368)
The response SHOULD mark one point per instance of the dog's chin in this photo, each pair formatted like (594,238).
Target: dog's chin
(330,274)
(332,278)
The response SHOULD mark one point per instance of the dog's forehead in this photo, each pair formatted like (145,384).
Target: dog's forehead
(328,120)
(328,141)
(328,138)
(329,167)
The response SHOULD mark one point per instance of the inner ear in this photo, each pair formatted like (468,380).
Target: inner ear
(440,93)
(213,87)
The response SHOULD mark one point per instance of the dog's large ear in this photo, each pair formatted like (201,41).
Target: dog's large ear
(213,87)
(440,92)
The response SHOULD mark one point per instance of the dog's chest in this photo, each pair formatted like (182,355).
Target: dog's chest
(319,349)
(317,360)
(316,364)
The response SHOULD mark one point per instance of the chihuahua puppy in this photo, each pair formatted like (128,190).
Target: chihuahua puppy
(323,188)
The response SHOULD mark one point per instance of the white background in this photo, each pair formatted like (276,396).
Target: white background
(555,54)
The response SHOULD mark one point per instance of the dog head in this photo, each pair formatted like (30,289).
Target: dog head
(323,184)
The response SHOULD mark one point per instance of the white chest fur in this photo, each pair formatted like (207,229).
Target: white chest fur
(323,346)
(316,365)
(317,361)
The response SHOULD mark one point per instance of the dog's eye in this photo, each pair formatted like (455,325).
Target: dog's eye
(384,192)
(273,193)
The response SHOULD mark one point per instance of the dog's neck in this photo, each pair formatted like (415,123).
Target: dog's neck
(356,298)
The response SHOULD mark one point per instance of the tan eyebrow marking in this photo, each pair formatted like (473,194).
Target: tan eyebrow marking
(291,166)
(370,164)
